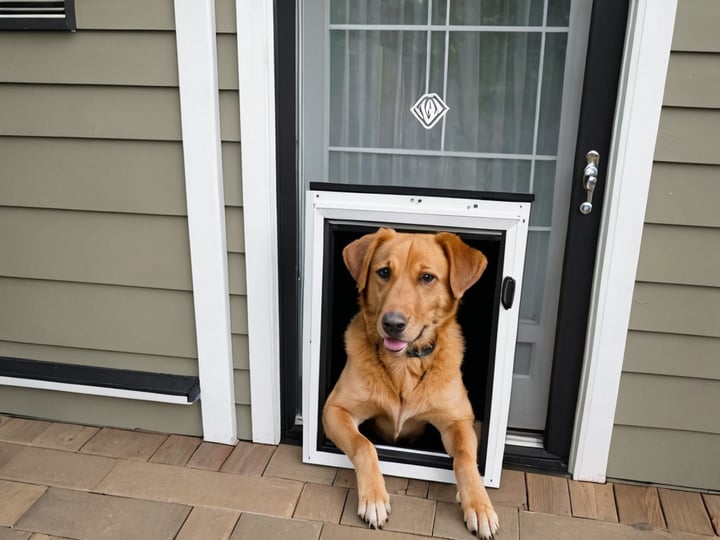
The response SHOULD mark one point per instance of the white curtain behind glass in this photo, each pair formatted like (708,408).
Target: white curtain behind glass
(497,66)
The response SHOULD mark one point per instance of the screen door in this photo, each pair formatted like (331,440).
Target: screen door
(457,94)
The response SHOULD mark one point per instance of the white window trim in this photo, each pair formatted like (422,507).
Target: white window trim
(640,97)
(256,64)
(642,84)
(200,115)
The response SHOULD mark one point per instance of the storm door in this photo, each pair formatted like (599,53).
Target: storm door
(479,95)
(455,94)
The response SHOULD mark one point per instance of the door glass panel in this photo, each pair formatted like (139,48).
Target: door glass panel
(423,171)
(523,359)
(374,79)
(498,114)
(551,93)
(533,291)
(502,68)
(496,12)
(544,189)
(378,12)
(558,13)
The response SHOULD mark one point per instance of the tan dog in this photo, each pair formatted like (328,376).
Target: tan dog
(404,352)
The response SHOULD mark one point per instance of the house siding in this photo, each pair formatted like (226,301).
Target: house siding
(666,427)
(93,229)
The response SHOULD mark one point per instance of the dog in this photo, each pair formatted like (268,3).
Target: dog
(404,351)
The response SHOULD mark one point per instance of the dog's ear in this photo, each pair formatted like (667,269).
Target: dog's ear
(466,264)
(359,253)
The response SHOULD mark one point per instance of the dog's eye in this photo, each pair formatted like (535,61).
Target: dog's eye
(383,272)
(427,278)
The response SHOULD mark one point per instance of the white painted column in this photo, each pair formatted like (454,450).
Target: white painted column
(256,63)
(200,113)
(631,157)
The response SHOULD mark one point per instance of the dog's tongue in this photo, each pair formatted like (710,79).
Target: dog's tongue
(393,345)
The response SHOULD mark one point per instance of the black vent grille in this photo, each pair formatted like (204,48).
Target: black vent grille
(37,14)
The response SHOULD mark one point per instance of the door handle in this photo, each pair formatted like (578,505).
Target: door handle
(589,180)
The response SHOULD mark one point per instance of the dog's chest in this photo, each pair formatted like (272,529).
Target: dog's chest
(408,404)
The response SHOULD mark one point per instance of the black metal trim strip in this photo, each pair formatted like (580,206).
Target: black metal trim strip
(289,259)
(533,459)
(70,20)
(66,23)
(423,192)
(600,88)
(123,379)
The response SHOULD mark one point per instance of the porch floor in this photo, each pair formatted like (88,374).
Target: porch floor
(69,481)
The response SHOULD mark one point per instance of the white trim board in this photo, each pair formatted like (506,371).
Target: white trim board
(642,84)
(255,42)
(200,115)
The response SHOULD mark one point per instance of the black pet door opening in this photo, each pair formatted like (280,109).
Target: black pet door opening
(497,226)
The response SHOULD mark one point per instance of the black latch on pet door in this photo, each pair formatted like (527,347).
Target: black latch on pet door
(495,223)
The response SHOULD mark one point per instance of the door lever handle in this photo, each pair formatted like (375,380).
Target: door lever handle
(589,180)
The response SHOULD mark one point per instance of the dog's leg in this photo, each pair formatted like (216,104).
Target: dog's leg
(461,442)
(373,499)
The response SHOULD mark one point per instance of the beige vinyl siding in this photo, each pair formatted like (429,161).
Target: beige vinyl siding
(126,15)
(667,429)
(689,135)
(696,26)
(696,454)
(94,410)
(134,250)
(95,357)
(659,354)
(120,176)
(230,120)
(95,266)
(109,112)
(693,78)
(684,194)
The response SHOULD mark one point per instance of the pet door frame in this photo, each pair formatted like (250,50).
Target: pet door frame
(432,210)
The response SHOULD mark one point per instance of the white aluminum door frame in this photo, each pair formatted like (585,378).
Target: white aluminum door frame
(510,218)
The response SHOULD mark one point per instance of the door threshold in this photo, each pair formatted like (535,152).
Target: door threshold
(524,439)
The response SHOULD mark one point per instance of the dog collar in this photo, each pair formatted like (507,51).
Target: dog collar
(414,353)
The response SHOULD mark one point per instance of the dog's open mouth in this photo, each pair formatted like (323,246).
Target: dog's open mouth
(394,345)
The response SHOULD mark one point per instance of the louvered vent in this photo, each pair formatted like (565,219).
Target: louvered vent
(37,14)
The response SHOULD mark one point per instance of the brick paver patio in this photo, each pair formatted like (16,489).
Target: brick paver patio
(69,481)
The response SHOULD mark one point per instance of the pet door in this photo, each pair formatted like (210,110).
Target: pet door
(494,223)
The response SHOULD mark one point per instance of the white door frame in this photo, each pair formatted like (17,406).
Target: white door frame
(642,84)
(200,117)
(256,69)
(639,103)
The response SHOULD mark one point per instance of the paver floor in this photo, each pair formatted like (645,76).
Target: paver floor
(66,481)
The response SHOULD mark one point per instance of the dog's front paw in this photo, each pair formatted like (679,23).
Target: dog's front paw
(480,517)
(373,505)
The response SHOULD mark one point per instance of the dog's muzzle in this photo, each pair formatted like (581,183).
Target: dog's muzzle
(394,324)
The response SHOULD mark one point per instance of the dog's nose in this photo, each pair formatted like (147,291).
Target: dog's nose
(394,323)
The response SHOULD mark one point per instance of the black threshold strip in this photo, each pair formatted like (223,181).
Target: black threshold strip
(121,379)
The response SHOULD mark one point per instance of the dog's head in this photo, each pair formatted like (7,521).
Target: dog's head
(410,284)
